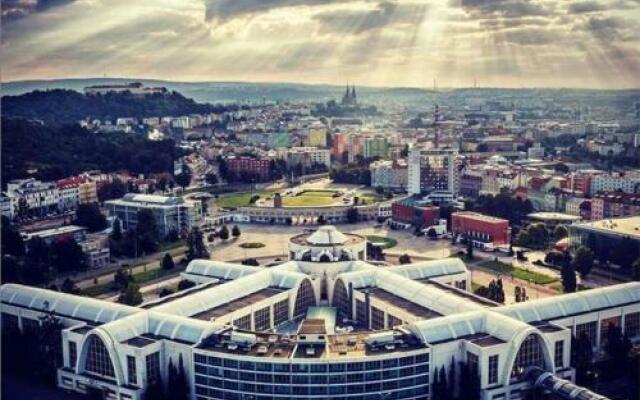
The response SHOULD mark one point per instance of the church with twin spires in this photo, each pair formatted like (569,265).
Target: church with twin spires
(349,98)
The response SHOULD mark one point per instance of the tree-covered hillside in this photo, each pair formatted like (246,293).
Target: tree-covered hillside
(57,152)
(59,106)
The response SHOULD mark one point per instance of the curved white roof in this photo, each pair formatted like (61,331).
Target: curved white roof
(219,269)
(327,235)
(64,304)
(574,303)
(429,269)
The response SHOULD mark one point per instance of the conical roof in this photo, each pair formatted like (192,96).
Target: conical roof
(327,235)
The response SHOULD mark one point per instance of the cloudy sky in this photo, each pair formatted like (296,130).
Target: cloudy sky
(505,43)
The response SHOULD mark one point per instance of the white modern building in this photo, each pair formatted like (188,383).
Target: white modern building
(389,175)
(433,170)
(325,328)
(172,214)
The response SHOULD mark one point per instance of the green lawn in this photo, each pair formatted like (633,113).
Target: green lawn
(307,201)
(370,198)
(384,242)
(519,273)
(235,200)
(252,245)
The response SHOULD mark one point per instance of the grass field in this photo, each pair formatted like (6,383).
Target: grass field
(519,273)
(310,198)
(235,200)
(384,242)
(252,245)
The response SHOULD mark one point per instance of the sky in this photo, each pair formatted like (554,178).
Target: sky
(408,43)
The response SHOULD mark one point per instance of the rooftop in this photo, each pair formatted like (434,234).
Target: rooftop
(406,305)
(480,217)
(553,216)
(237,304)
(620,226)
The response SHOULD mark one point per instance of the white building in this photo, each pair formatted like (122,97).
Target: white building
(306,156)
(265,333)
(39,197)
(390,175)
(432,170)
(612,182)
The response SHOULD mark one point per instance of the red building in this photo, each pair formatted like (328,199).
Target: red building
(480,227)
(408,211)
(258,168)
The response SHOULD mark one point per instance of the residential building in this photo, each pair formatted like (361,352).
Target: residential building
(172,214)
(256,168)
(628,183)
(317,136)
(33,196)
(389,175)
(376,146)
(307,156)
(433,170)
(614,205)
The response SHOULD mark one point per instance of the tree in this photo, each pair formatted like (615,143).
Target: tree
(352,215)
(165,292)
(69,286)
(196,246)
(635,270)
(321,220)
(49,347)
(167,262)
(154,390)
(111,190)
(146,231)
(583,260)
(185,284)
(404,259)
(131,295)
(451,389)
(250,261)
(568,275)
(116,233)
(235,231)
(224,233)
(618,346)
(560,232)
(12,242)
(68,256)
(121,279)
(211,178)
(184,179)
(89,216)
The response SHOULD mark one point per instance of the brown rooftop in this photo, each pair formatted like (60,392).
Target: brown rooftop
(411,308)
(312,327)
(237,304)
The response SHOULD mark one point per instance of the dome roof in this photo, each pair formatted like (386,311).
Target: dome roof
(327,235)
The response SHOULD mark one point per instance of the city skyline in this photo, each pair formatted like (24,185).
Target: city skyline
(506,43)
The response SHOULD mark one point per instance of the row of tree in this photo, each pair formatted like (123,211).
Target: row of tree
(458,383)
(176,388)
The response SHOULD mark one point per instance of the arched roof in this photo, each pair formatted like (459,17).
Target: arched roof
(64,304)
(219,269)
(327,235)
(430,269)
(574,303)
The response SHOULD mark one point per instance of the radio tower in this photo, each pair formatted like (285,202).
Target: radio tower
(436,124)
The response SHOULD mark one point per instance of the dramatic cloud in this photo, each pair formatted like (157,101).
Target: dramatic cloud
(515,43)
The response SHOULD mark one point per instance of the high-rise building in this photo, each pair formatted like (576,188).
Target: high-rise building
(433,170)
(317,136)
(376,146)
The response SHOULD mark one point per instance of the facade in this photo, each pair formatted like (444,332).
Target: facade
(173,214)
(614,205)
(285,332)
(433,170)
(317,136)
(376,146)
(470,185)
(61,234)
(389,175)
(480,229)
(307,156)
(256,167)
(411,212)
(278,140)
(311,215)
(612,182)
(33,196)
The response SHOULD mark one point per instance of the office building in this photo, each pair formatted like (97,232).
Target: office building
(483,230)
(389,175)
(172,214)
(376,146)
(433,170)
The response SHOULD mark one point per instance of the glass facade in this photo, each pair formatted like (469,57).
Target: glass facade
(393,321)
(530,354)
(493,369)
(405,377)
(98,360)
(262,319)
(605,325)
(590,330)
(559,354)
(152,362)
(281,312)
(341,301)
(132,375)
(243,323)
(377,319)
(305,298)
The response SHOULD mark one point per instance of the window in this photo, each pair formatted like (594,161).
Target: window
(605,325)
(73,354)
(262,319)
(361,312)
(305,298)
(493,369)
(153,367)
(377,318)
(341,301)
(98,360)
(472,362)
(530,354)
(393,321)
(243,323)
(281,312)
(632,324)
(132,375)
(559,354)
(589,330)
